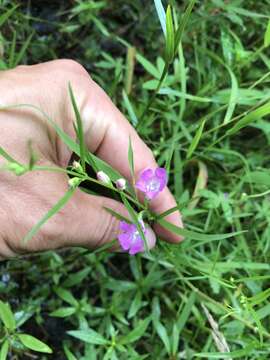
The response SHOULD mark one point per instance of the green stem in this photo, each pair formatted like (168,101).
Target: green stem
(152,98)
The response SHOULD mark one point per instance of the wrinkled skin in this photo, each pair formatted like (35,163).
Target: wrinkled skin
(25,199)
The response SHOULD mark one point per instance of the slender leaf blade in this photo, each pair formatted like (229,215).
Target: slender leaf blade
(58,206)
(34,344)
(89,336)
(4,350)
(161,15)
(7,316)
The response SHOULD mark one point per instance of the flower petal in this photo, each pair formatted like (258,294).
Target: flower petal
(124,226)
(162,177)
(137,247)
(146,175)
(161,173)
(152,194)
(141,185)
(124,240)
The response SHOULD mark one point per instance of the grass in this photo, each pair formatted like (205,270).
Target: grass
(207,122)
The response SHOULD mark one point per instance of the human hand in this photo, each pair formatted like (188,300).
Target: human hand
(25,199)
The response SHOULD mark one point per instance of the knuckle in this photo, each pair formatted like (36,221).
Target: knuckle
(6,251)
(69,65)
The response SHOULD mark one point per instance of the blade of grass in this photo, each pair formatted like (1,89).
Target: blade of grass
(161,15)
(58,206)
(7,156)
(234,354)
(249,118)
(183,24)
(79,127)
(131,160)
(4,17)
(233,97)
(169,51)
(22,51)
(195,141)
(192,234)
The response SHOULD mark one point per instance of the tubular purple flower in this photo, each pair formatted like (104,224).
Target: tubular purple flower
(130,240)
(152,182)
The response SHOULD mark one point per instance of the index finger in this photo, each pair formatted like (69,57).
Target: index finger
(107,134)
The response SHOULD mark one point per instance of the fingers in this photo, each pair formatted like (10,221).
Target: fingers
(82,221)
(92,225)
(108,134)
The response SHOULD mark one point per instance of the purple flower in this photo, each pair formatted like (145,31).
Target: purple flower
(130,239)
(152,182)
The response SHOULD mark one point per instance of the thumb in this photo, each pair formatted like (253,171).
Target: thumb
(92,225)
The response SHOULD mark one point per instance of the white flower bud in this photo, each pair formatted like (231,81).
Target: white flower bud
(77,166)
(103,177)
(121,184)
(74,182)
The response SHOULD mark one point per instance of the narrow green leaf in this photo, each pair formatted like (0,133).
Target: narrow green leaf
(66,295)
(116,215)
(223,355)
(267,35)
(131,113)
(258,177)
(130,65)
(233,97)
(58,206)
(182,95)
(32,343)
(4,17)
(162,333)
(79,126)
(135,305)
(6,156)
(249,118)
(7,316)
(259,298)
(169,51)
(131,159)
(181,322)
(161,15)
(195,141)
(175,339)
(136,333)
(4,350)
(194,235)
(63,312)
(89,336)
(257,320)
(12,50)
(76,278)
(148,66)
(183,24)
(22,51)
(69,354)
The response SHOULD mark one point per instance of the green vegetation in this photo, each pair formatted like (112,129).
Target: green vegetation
(195,84)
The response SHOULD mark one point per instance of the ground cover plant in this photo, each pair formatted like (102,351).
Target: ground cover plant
(193,78)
